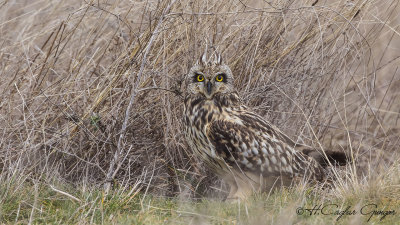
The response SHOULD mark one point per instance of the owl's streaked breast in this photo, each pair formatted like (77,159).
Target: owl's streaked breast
(198,114)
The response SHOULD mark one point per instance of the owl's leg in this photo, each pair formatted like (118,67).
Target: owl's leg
(233,189)
(245,189)
(240,189)
(241,185)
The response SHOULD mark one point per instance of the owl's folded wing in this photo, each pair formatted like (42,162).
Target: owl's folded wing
(246,146)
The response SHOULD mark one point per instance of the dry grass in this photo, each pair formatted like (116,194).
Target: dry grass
(90,90)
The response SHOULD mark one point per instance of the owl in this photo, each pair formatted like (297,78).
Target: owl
(242,148)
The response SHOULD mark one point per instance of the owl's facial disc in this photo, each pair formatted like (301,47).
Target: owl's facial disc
(210,78)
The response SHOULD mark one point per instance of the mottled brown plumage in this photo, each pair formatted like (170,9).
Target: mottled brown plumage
(245,150)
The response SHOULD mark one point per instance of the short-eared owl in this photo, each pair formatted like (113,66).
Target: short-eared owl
(242,148)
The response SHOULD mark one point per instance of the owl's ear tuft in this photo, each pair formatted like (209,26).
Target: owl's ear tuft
(203,59)
(218,59)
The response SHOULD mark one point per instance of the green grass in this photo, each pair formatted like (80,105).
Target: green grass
(281,207)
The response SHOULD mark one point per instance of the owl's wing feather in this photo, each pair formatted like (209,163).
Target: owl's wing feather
(250,143)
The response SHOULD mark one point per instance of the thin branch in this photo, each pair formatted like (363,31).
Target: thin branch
(111,173)
(65,193)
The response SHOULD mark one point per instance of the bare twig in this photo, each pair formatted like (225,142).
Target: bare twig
(119,152)
(65,193)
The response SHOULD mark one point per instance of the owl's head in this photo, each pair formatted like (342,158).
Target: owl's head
(210,77)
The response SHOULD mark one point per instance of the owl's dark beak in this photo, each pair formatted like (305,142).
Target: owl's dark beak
(209,85)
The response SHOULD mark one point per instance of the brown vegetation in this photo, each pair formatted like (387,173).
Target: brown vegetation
(91,92)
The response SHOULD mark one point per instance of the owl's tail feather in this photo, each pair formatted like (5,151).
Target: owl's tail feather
(334,157)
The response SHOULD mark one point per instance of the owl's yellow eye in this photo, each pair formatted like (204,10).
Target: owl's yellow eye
(200,78)
(219,78)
